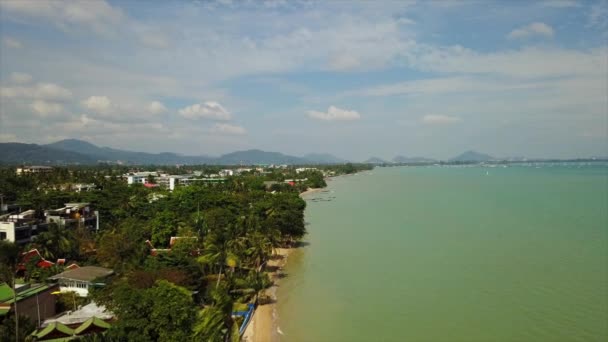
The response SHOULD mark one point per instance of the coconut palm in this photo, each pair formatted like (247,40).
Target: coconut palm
(55,243)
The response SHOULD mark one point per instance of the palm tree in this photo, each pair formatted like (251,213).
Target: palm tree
(9,257)
(210,325)
(215,252)
(215,323)
(54,243)
(259,249)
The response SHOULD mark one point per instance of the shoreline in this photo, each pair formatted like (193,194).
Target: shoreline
(263,326)
(311,191)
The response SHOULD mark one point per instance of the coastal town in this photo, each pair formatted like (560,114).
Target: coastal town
(147,253)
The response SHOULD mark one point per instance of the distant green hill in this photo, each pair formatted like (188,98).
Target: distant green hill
(472,156)
(17,153)
(73,151)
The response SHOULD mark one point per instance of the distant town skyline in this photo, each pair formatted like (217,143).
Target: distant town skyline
(353,79)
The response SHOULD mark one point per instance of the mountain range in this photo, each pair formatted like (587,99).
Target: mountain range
(73,151)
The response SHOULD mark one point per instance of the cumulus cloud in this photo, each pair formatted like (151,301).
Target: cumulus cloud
(46,108)
(12,43)
(45,91)
(156,107)
(335,114)
(20,77)
(433,119)
(207,110)
(98,104)
(533,29)
(222,128)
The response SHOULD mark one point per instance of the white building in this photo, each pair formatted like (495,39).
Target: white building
(303,169)
(21,228)
(140,177)
(33,169)
(226,173)
(81,279)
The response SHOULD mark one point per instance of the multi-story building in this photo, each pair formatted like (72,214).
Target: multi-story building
(74,215)
(21,228)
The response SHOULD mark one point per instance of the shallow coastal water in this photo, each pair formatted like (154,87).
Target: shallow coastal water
(453,254)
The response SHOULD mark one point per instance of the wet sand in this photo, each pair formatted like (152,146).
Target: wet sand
(263,325)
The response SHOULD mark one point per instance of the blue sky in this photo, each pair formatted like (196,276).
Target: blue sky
(355,79)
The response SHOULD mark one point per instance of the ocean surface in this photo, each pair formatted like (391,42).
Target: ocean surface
(516,253)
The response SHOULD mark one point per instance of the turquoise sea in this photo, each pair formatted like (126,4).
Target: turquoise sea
(516,253)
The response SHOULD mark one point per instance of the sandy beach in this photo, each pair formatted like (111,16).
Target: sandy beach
(311,191)
(262,327)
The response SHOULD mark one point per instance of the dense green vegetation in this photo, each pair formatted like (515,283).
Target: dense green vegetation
(184,291)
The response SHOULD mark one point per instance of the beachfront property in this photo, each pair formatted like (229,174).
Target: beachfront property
(34,301)
(81,279)
(294,181)
(303,169)
(74,215)
(33,169)
(21,228)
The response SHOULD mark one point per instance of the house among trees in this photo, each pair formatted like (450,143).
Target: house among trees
(57,331)
(35,301)
(81,279)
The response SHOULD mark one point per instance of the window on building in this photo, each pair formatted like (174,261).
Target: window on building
(2,236)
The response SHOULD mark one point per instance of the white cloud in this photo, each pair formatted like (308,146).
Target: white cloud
(207,110)
(12,42)
(98,104)
(528,62)
(434,119)
(98,16)
(20,77)
(222,128)
(156,107)
(335,114)
(46,91)
(45,108)
(533,29)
